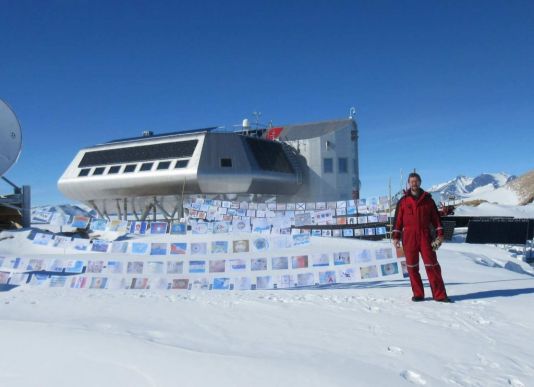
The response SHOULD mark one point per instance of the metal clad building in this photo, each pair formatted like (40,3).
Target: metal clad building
(309,162)
(331,152)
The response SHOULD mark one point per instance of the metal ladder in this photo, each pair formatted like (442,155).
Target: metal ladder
(293,157)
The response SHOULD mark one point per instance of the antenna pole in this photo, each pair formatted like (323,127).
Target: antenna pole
(389,211)
(182,204)
(257,115)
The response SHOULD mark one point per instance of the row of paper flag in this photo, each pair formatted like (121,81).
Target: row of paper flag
(373,204)
(179,265)
(197,226)
(208,209)
(349,232)
(328,268)
(295,217)
(389,271)
(260,243)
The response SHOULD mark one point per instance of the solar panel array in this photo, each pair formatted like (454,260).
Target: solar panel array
(168,150)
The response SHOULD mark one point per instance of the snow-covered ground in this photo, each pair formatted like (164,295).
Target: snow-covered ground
(502,195)
(364,334)
(492,209)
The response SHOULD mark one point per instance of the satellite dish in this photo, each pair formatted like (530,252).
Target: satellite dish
(10,138)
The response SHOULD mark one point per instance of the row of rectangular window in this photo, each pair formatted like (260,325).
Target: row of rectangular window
(342,165)
(129,168)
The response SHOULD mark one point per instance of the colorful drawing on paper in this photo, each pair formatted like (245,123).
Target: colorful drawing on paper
(238,264)
(180,283)
(74,266)
(158,227)
(100,246)
(139,248)
(98,224)
(78,282)
(264,282)
(305,279)
(95,266)
(154,267)
(219,247)
(367,272)
(139,283)
(299,262)
(258,264)
(199,248)
(301,239)
(114,267)
(348,232)
(35,265)
(138,228)
(178,248)
(260,244)
(80,244)
(347,275)
(119,247)
(384,253)
(242,283)
(363,255)
(197,266)
(98,283)
(342,258)
(221,283)
(389,268)
(327,277)
(42,238)
(58,281)
(240,246)
(175,267)
(199,228)
(179,229)
(217,266)
(286,281)
(321,259)
(280,263)
(79,221)
(158,248)
(240,225)
(221,227)
(134,267)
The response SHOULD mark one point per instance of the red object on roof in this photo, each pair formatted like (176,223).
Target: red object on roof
(274,133)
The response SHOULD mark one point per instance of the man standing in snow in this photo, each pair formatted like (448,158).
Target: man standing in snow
(416,213)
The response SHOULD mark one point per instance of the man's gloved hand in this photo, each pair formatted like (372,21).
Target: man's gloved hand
(436,244)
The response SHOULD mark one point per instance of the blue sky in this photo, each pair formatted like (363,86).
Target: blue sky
(446,87)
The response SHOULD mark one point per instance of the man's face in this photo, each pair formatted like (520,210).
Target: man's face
(414,184)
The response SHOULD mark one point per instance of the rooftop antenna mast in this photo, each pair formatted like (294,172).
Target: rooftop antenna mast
(257,115)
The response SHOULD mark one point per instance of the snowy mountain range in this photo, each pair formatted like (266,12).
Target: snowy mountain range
(500,188)
(463,187)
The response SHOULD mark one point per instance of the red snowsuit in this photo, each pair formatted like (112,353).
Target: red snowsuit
(413,219)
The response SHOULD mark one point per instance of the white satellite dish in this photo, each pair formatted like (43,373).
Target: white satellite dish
(10,138)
